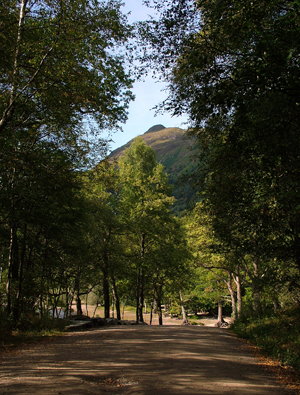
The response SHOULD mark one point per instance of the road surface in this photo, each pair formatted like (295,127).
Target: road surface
(137,360)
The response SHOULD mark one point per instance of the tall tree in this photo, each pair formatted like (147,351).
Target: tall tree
(101,188)
(145,200)
(59,66)
(63,81)
(235,71)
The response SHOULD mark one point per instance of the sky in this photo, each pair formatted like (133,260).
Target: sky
(148,93)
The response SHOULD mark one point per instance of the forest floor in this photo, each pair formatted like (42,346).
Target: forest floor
(138,360)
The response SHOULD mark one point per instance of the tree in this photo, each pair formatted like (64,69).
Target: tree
(170,257)
(101,188)
(145,200)
(36,206)
(235,71)
(63,81)
(60,67)
(216,262)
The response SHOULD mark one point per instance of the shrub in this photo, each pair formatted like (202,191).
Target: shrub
(276,335)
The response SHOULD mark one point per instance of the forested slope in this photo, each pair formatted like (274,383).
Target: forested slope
(174,151)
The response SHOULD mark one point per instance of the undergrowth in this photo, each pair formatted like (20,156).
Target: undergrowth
(31,331)
(276,335)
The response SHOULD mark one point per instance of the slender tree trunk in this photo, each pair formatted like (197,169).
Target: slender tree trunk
(8,112)
(67,299)
(13,270)
(113,306)
(123,312)
(159,296)
(86,305)
(220,313)
(116,297)
(151,313)
(140,283)
(237,280)
(141,300)
(137,296)
(78,304)
(152,306)
(106,297)
(184,319)
(255,287)
(232,296)
(18,303)
(96,307)
(160,317)
(106,293)
(78,300)
(256,299)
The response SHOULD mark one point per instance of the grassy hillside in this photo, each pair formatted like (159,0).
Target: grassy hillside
(173,151)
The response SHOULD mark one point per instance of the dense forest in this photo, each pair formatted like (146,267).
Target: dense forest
(73,222)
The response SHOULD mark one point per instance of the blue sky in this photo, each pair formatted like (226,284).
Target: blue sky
(148,94)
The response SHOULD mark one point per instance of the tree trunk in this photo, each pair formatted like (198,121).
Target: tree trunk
(255,285)
(106,297)
(78,300)
(152,306)
(86,305)
(13,271)
(78,305)
(184,319)
(141,300)
(159,295)
(116,298)
(256,299)
(220,314)
(232,295)
(151,313)
(160,318)
(237,280)
(113,306)
(140,284)
(106,294)
(67,299)
(8,112)
(137,295)
(255,288)
(18,303)
(96,307)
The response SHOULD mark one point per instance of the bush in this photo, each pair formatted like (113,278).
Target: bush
(276,335)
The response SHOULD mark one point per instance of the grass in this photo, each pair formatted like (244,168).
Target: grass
(16,339)
(277,336)
(194,320)
(37,330)
(30,332)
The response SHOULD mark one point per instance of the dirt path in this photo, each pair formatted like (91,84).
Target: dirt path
(137,360)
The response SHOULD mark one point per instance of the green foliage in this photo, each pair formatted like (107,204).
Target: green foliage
(19,338)
(174,152)
(63,81)
(60,66)
(155,242)
(276,335)
(234,68)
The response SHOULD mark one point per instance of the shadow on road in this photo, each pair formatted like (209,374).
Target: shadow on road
(138,360)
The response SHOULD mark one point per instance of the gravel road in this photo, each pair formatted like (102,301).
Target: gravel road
(137,360)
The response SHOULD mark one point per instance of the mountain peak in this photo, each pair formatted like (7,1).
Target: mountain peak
(155,128)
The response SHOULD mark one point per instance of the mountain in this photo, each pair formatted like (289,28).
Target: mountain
(173,151)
